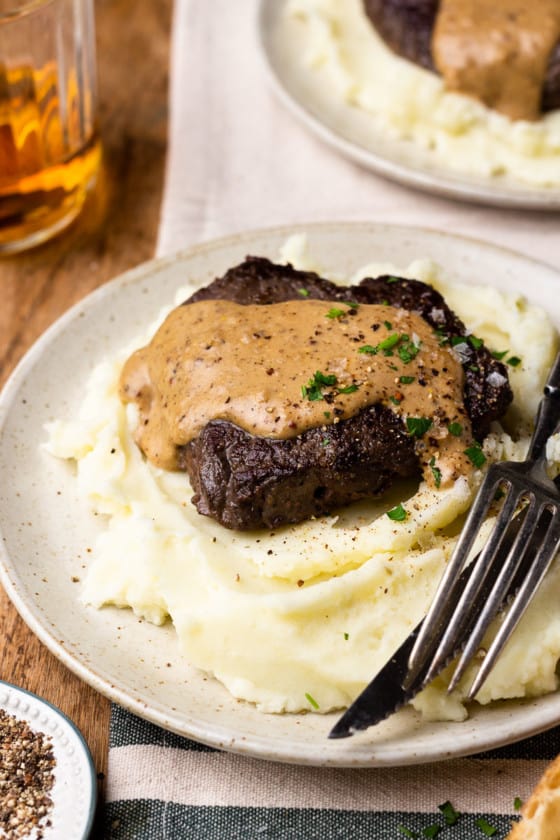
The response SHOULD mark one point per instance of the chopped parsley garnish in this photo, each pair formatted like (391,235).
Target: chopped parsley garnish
(395,401)
(407,832)
(500,355)
(406,380)
(431,831)
(392,279)
(517,803)
(335,313)
(485,827)
(455,429)
(389,342)
(397,514)
(303,292)
(475,455)
(449,813)
(388,324)
(418,426)
(436,472)
(311,700)
(408,350)
(346,637)
(441,335)
(352,304)
(326,414)
(325,441)
(314,388)
(475,342)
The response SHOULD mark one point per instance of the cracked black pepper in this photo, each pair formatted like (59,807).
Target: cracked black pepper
(27,765)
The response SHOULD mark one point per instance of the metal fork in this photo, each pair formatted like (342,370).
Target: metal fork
(461,614)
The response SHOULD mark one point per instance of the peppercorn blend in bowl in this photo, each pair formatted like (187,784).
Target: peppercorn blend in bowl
(48,784)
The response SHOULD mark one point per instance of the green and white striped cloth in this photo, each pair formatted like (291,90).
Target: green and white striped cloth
(164,787)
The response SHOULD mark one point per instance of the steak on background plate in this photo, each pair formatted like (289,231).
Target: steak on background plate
(406,27)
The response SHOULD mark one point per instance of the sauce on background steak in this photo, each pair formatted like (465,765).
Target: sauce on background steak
(285,396)
(506,54)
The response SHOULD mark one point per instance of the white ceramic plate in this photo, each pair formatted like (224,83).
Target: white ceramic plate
(47,533)
(74,792)
(353,133)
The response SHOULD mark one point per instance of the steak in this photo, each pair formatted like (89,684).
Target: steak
(248,482)
(406,27)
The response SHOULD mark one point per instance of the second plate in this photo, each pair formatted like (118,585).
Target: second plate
(355,135)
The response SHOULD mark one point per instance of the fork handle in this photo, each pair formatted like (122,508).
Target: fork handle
(548,414)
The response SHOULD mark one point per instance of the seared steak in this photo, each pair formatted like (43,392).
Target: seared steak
(406,27)
(249,482)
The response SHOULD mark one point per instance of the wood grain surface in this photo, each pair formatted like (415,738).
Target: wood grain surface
(117,230)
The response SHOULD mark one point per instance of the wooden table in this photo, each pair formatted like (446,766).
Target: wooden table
(116,231)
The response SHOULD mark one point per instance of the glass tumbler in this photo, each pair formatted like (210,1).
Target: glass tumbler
(49,145)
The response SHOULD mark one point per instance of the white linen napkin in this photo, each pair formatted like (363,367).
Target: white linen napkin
(238,160)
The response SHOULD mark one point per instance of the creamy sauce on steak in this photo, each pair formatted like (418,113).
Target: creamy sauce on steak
(281,369)
(497,52)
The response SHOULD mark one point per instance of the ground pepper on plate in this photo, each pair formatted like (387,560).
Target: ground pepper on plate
(27,765)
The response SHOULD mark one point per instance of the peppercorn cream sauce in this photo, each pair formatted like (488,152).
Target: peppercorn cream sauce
(264,368)
(497,52)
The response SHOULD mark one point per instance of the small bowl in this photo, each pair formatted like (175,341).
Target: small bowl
(74,793)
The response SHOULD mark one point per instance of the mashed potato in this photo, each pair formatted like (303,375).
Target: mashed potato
(301,618)
(345,53)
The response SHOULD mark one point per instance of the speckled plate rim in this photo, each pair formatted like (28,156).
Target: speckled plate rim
(403,162)
(31,700)
(229,724)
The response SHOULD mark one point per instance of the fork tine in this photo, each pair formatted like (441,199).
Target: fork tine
(445,630)
(464,613)
(499,591)
(539,566)
(446,595)
(448,591)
